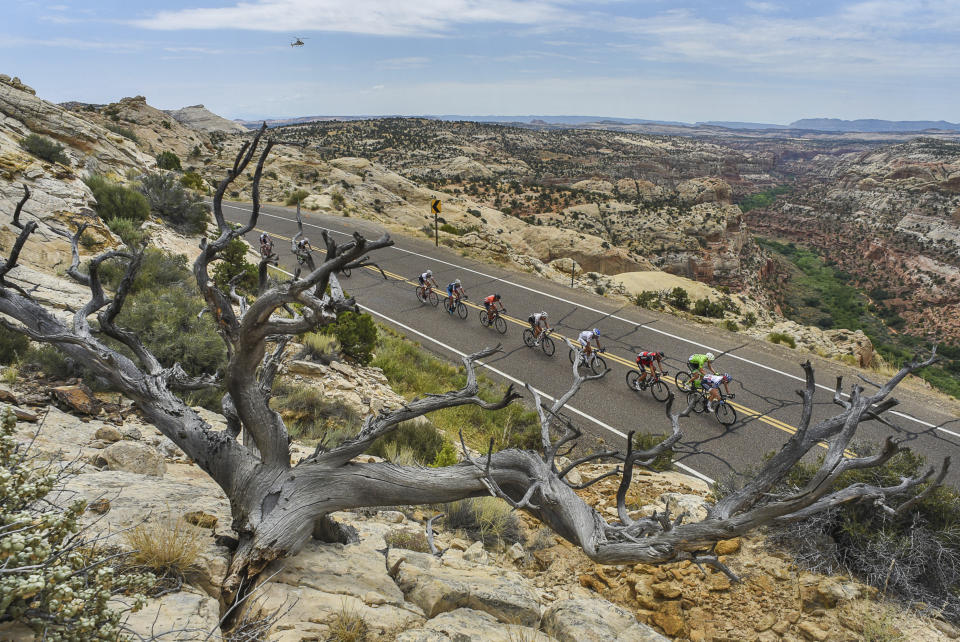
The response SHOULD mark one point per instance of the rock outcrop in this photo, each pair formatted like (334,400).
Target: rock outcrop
(199,118)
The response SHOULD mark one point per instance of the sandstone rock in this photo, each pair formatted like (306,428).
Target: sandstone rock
(78,398)
(727,546)
(25,415)
(306,368)
(187,615)
(811,631)
(100,506)
(14,631)
(476,553)
(108,434)
(436,587)
(669,617)
(202,119)
(8,396)
(468,625)
(585,619)
(134,457)
(516,552)
(131,433)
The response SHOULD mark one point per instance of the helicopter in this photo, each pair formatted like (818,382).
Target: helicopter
(299,42)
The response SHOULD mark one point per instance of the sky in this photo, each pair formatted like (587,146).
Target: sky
(755,61)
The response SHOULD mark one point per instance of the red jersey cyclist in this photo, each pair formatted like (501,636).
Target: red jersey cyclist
(493,305)
(651,361)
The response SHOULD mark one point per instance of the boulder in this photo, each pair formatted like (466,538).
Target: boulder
(77,398)
(586,619)
(438,586)
(134,457)
(186,615)
(109,434)
(468,625)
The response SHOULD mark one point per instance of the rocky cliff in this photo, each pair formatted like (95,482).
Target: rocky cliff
(199,118)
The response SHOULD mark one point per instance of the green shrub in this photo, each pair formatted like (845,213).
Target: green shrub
(128,230)
(165,319)
(49,360)
(781,337)
(914,555)
(421,439)
(707,308)
(116,201)
(195,152)
(446,456)
(168,160)
(679,298)
(296,196)
(731,325)
(158,269)
(232,262)
(193,180)
(749,319)
(646,441)
(43,147)
(126,132)
(53,581)
(647,299)
(13,345)
(357,334)
(485,519)
(311,415)
(182,210)
(339,202)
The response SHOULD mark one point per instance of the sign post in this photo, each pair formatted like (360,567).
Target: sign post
(435,207)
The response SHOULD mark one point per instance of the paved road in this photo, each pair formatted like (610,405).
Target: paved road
(765,376)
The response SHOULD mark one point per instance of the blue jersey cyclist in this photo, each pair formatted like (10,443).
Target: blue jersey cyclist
(454,289)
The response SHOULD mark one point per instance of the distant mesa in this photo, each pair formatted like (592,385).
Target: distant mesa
(872,125)
(200,118)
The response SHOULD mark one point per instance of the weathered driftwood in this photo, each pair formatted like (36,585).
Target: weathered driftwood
(275,504)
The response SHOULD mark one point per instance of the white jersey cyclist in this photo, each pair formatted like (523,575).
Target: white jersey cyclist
(585,337)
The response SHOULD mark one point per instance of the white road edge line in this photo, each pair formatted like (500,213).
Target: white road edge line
(613,316)
(693,472)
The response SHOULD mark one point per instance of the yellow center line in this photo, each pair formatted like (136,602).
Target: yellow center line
(749,412)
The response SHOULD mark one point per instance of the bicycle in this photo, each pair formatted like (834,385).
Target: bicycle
(657,387)
(497,321)
(723,411)
(682,380)
(426,294)
(544,341)
(595,362)
(457,307)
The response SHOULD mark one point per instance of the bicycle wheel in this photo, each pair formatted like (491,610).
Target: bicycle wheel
(683,381)
(659,391)
(548,346)
(598,365)
(420,296)
(433,298)
(483,318)
(699,403)
(461,310)
(725,413)
(571,355)
(528,339)
(632,377)
(500,325)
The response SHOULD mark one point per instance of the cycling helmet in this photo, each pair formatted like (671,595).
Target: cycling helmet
(726,377)
(429,272)
(496,297)
(544,314)
(710,356)
(457,282)
(596,332)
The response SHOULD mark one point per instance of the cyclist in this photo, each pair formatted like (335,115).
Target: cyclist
(266,245)
(585,337)
(491,303)
(426,282)
(454,288)
(711,383)
(697,362)
(645,360)
(303,250)
(538,323)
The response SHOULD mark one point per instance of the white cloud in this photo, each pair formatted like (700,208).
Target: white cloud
(763,7)
(410,62)
(376,17)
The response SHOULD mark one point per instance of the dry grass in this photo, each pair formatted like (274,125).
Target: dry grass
(348,626)
(10,374)
(167,545)
(408,540)
(486,519)
(319,346)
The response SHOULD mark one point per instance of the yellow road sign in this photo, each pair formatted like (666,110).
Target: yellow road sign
(435,206)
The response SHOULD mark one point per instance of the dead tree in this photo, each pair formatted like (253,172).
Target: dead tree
(276,505)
